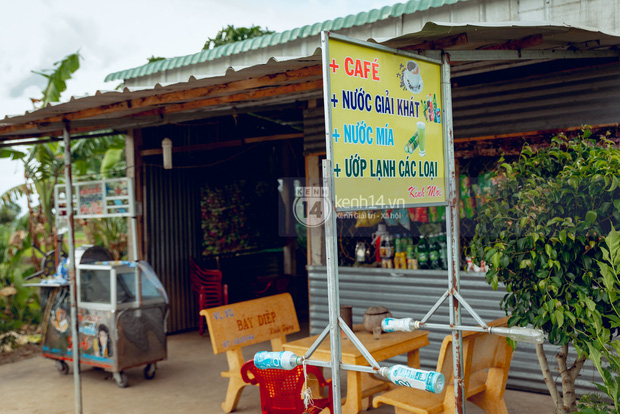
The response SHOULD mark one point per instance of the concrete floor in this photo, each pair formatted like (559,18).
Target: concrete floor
(188,381)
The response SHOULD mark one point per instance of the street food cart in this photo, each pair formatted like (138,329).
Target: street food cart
(122,305)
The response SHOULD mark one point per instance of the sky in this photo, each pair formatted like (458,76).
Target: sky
(120,34)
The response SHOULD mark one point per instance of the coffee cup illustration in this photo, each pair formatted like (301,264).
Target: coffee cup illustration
(412,77)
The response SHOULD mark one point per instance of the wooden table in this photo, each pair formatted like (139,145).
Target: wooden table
(363,385)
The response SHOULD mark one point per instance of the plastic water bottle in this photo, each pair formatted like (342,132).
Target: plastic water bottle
(516,333)
(276,360)
(430,381)
(395,325)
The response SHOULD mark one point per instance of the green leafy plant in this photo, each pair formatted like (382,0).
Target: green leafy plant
(606,355)
(540,234)
(232,34)
(44,168)
(593,404)
(19,305)
(57,77)
(154,59)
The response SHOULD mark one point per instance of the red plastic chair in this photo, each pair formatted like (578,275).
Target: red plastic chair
(207,284)
(280,390)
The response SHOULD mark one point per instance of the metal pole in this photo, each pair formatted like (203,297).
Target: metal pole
(331,255)
(331,234)
(134,238)
(75,348)
(453,237)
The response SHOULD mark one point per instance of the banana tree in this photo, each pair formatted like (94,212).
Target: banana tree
(92,158)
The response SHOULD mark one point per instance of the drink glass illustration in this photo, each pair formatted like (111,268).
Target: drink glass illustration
(422,137)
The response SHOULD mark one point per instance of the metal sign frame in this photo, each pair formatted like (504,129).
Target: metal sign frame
(335,323)
(112,197)
(327,93)
(108,202)
(456,300)
(70,197)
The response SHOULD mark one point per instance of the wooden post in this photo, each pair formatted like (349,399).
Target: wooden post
(316,235)
(133,145)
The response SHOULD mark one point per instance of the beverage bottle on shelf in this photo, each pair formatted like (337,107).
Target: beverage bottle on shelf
(400,258)
(276,360)
(412,261)
(387,251)
(376,240)
(423,262)
(443,253)
(433,254)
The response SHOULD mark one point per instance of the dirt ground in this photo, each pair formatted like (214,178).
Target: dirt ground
(189,381)
(20,353)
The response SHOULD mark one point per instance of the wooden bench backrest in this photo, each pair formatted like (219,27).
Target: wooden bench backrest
(490,350)
(251,322)
(445,366)
(481,351)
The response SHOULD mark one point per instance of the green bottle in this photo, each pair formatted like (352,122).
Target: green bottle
(433,254)
(423,261)
(443,253)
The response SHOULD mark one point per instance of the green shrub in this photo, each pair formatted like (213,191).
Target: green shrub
(540,233)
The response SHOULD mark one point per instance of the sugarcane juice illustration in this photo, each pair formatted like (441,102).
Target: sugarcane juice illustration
(412,144)
(422,137)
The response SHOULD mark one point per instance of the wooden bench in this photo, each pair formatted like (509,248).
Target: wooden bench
(486,361)
(231,327)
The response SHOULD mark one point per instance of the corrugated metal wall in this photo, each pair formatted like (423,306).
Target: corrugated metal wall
(560,99)
(170,226)
(314,130)
(412,294)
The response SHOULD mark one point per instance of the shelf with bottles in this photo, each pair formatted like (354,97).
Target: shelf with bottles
(391,238)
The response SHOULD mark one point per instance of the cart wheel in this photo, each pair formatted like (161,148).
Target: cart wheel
(150,370)
(121,379)
(62,367)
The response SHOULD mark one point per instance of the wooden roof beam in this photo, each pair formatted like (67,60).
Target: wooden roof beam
(518,44)
(439,44)
(244,96)
(223,144)
(171,97)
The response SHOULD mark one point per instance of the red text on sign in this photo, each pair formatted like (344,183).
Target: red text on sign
(362,68)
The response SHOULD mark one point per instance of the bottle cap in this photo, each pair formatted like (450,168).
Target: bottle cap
(436,382)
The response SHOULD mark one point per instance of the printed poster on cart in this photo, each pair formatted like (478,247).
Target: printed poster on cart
(387,131)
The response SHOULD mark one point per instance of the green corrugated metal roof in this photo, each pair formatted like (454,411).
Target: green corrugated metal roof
(340,23)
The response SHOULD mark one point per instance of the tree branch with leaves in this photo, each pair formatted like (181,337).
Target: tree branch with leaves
(540,232)
(232,34)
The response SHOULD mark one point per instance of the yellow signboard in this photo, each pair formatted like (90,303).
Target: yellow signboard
(386,132)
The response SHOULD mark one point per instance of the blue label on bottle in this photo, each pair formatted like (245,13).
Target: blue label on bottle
(267,360)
